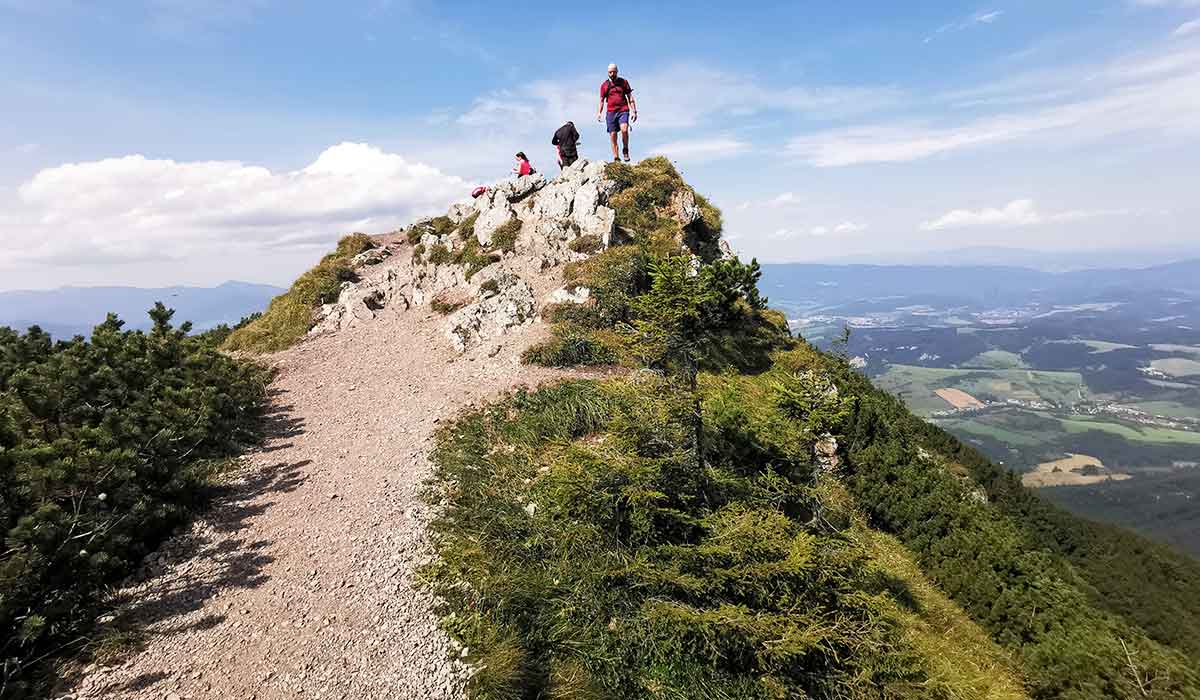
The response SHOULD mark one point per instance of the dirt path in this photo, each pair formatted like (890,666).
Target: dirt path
(300,583)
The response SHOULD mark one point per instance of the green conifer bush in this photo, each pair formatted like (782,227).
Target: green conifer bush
(105,446)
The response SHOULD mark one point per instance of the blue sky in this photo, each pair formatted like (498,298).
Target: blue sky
(192,141)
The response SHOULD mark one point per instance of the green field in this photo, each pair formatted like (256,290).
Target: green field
(915,385)
(996,359)
(1184,349)
(1139,433)
(1173,409)
(986,428)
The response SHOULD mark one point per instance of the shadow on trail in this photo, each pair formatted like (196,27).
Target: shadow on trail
(209,558)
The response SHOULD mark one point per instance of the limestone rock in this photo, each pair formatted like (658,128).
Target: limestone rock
(489,317)
(826,454)
(552,214)
(374,256)
(491,219)
(683,207)
(579,295)
(517,189)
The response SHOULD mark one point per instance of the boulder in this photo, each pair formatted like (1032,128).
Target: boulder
(825,452)
(491,219)
(519,188)
(683,208)
(579,295)
(374,256)
(512,305)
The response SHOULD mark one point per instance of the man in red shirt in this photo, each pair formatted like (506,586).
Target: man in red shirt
(616,101)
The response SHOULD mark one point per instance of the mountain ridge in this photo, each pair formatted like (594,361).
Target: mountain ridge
(554,443)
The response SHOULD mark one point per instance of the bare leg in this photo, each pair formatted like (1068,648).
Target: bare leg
(613,138)
(624,139)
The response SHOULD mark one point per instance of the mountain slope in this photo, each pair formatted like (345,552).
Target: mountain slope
(706,507)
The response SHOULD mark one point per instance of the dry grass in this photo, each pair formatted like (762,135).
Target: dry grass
(290,315)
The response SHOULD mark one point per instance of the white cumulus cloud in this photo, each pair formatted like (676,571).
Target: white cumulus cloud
(1019,212)
(1187,28)
(136,208)
(703,149)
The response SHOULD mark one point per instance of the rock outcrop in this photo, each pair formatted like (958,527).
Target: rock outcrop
(497,278)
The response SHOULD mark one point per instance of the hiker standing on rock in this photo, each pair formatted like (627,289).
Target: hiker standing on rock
(616,101)
(566,139)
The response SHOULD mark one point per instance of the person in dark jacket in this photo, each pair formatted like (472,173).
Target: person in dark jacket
(566,138)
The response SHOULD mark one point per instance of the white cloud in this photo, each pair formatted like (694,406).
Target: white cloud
(1187,28)
(984,17)
(1019,212)
(1167,3)
(135,208)
(703,149)
(1159,95)
(678,96)
(844,227)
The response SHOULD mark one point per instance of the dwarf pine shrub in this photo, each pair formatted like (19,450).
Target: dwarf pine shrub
(105,446)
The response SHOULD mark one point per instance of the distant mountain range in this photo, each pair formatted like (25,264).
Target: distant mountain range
(978,284)
(1046,261)
(70,311)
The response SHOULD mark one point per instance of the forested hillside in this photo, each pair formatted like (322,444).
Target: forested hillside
(105,446)
(736,514)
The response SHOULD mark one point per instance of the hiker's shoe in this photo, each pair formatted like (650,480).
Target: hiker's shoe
(616,159)
(627,156)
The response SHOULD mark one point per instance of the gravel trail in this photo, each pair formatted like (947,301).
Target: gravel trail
(299,583)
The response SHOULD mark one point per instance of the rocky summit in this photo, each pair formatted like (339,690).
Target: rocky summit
(547,217)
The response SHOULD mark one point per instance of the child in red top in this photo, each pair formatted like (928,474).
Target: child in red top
(523,166)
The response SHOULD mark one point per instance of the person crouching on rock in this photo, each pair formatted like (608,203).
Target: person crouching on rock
(616,100)
(566,139)
(523,166)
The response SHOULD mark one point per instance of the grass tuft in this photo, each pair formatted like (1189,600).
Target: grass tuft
(587,244)
(505,237)
(289,316)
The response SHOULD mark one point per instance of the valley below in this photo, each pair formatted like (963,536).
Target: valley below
(1086,383)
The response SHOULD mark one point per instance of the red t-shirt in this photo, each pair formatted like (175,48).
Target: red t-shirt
(618,100)
(526,168)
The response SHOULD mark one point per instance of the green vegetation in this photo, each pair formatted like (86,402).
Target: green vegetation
(470,254)
(587,245)
(1071,622)
(489,287)
(1168,408)
(1140,433)
(505,237)
(446,304)
(917,384)
(996,359)
(669,534)
(290,315)
(575,347)
(584,555)
(439,254)
(105,446)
